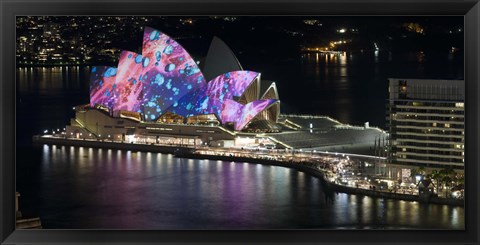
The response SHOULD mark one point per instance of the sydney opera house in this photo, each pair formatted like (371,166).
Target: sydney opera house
(161,96)
(164,86)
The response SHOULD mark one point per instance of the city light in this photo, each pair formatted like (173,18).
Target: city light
(418,178)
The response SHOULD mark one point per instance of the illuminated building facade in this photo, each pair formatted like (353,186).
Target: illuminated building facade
(427,123)
(162,97)
(164,81)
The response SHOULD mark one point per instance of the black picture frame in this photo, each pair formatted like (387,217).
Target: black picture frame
(10,8)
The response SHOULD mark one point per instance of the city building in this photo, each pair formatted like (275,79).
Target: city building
(426,125)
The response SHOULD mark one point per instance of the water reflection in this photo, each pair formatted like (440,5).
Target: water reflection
(134,190)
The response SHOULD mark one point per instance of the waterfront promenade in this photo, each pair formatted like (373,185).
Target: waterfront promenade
(341,172)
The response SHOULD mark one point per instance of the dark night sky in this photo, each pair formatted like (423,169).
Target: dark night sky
(272,37)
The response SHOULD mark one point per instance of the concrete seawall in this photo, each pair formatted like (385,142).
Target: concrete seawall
(187,152)
(111,145)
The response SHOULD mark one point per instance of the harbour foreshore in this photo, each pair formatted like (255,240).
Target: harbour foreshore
(188,152)
(111,145)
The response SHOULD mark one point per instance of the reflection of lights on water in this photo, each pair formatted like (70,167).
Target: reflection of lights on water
(139,155)
(109,155)
(455,216)
(190,164)
(343,58)
(149,159)
(90,154)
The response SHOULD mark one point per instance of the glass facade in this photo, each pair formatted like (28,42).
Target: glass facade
(427,132)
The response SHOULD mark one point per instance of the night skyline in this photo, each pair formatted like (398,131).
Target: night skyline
(100,39)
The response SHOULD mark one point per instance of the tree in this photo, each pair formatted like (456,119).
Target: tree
(421,171)
(447,175)
(435,174)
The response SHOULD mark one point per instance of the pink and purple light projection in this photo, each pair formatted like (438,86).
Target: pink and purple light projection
(227,86)
(209,99)
(128,92)
(165,78)
(102,83)
(240,114)
(231,111)
(169,73)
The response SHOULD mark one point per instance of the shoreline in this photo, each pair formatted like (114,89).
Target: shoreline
(188,152)
(169,149)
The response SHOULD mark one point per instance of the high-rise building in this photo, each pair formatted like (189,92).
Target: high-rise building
(426,123)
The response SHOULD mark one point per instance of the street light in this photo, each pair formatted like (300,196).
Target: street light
(418,178)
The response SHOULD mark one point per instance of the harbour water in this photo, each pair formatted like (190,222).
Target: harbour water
(75,187)
(80,187)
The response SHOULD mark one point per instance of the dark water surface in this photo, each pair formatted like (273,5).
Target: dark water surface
(75,187)
(80,187)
